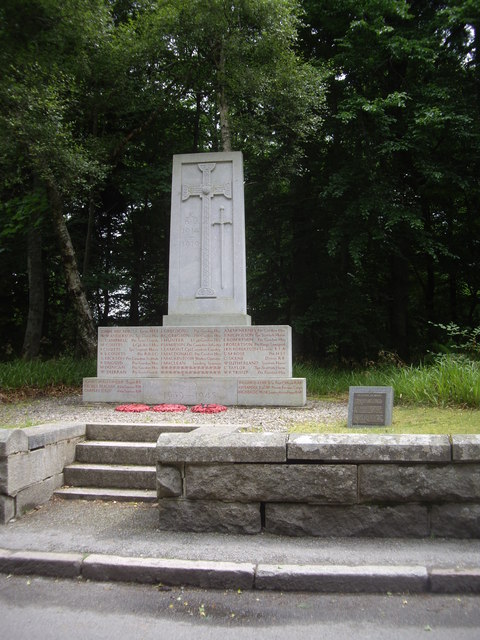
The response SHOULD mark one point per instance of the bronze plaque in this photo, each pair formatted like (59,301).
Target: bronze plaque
(369,409)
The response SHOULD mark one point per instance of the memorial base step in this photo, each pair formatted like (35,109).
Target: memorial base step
(283,392)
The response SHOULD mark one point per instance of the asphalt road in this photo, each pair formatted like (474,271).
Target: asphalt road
(47,609)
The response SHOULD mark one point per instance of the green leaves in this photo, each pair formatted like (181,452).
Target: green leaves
(20,212)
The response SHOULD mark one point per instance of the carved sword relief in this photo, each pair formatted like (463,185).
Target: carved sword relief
(221,222)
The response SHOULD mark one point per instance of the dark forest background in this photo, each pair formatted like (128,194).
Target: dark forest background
(359,121)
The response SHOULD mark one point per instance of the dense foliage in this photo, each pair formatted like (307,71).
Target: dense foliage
(359,121)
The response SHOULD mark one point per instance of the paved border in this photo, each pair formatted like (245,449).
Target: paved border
(236,575)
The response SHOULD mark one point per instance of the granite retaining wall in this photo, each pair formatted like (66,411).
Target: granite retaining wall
(319,485)
(31,465)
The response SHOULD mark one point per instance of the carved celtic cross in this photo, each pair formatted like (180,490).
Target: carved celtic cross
(206,191)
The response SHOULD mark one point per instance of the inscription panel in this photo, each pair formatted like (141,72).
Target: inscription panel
(148,352)
(108,390)
(370,406)
(289,392)
(128,351)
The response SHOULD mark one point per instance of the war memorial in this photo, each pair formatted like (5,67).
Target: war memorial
(207,349)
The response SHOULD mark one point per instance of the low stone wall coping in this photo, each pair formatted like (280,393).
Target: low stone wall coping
(45,434)
(223,447)
(233,443)
(357,447)
(12,441)
(466,448)
(29,438)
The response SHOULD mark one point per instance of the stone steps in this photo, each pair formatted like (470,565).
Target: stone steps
(133,432)
(114,452)
(107,494)
(124,476)
(116,462)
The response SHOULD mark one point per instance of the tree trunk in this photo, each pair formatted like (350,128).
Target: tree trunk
(399,305)
(222,104)
(137,266)
(196,123)
(224,123)
(89,237)
(36,294)
(85,327)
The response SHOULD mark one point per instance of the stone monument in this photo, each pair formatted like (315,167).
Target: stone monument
(206,351)
(207,278)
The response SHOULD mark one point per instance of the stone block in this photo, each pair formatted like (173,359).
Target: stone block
(207,272)
(3,473)
(169,481)
(42,563)
(7,509)
(357,447)
(402,483)
(194,573)
(342,579)
(456,520)
(272,483)
(37,493)
(222,447)
(455,580)
(466,448)
(12,441)
(215,516)
(346,521)
(43,435)
(26,468)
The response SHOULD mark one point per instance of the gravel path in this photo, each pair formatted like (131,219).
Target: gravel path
(72,409)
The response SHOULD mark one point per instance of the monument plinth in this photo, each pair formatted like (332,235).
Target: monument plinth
(207,351)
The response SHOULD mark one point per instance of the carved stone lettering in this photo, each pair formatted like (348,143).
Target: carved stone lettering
(148,352)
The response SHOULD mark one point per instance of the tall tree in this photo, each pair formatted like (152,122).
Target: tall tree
(45,55)
(391,169)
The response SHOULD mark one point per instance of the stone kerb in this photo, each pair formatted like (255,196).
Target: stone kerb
(31,464)
(323,485)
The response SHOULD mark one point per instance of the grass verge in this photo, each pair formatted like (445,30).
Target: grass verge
(43,375)
(408,419)
(448,381)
